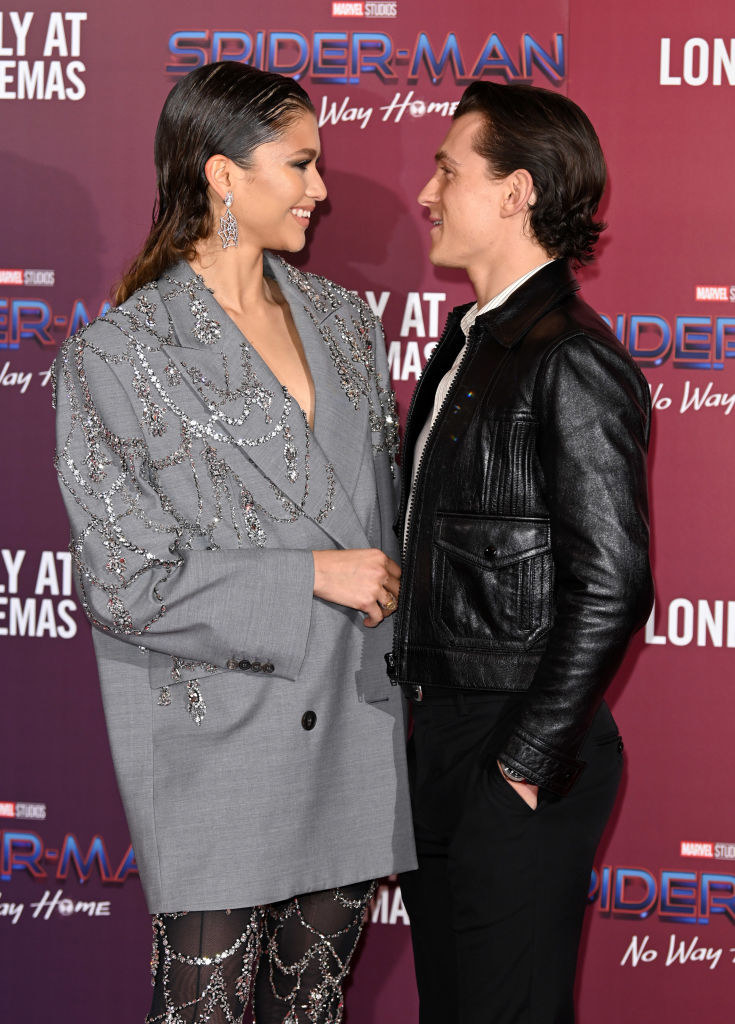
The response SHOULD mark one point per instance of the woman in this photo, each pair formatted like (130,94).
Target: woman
(225,447)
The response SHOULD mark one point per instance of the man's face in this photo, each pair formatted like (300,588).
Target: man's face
(463,201)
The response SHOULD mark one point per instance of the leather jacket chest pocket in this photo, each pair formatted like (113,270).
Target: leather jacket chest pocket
(492,580)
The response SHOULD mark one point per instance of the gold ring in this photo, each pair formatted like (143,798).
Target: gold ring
(389,606)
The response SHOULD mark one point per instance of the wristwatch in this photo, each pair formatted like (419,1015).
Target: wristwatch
(511,773)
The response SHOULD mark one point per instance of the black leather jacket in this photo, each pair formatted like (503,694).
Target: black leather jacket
(526,558)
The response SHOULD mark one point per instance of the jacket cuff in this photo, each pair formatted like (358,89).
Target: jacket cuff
(539,764)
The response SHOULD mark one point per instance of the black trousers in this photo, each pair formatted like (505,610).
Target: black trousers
(497,903)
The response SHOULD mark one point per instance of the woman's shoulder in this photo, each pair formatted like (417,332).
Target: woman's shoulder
(141,315)
(104,357)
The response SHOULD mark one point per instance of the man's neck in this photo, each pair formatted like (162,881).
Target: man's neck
(489,281)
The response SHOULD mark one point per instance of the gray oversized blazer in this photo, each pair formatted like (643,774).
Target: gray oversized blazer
(258,744)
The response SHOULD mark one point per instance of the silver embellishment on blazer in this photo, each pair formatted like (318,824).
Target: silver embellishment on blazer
(195,702)
(205,329)
(173,374)
(290,454)
(183,665)
(147,309)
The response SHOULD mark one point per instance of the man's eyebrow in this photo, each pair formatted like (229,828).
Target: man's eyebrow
(443,157)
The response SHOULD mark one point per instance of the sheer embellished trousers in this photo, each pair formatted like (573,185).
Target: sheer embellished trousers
(290,958)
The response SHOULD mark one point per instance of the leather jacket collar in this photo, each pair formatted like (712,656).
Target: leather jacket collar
(509,323)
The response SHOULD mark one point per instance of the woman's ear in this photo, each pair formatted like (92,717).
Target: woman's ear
(217,172)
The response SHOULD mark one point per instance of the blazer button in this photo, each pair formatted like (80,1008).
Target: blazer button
(490,551)
(268,666)
(308,720)
(244,665)
(256,666)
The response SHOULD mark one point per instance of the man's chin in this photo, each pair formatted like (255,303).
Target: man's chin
(441,261)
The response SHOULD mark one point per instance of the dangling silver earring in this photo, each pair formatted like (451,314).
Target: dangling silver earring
(228,224)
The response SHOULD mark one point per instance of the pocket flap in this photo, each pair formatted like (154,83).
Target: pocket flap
(491,540)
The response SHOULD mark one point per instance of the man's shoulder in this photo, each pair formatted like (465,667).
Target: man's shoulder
(574,344)
(575,324)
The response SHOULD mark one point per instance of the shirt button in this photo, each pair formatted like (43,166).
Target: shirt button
(244,665)
(308,720)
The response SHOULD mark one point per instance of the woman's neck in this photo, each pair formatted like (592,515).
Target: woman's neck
(234,275)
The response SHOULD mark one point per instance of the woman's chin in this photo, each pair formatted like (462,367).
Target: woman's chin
(298,245)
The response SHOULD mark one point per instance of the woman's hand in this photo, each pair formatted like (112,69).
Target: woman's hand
(360,578)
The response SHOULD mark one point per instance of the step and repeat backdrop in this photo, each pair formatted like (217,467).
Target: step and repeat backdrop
(80,93)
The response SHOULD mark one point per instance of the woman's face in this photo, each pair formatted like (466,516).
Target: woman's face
(273,199)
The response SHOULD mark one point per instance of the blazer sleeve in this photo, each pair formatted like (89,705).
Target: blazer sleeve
(593,409)
(136,580)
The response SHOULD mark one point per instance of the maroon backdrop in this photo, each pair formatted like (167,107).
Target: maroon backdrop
(80,93)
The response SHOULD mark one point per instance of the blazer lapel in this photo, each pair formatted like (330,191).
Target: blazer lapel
(230,394)
(341,425)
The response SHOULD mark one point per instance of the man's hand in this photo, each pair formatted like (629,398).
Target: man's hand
(525,790)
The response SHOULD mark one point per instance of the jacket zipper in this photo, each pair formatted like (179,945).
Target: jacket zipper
(405,490)
(404,468)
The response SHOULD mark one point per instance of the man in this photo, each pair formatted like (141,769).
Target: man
(526,569)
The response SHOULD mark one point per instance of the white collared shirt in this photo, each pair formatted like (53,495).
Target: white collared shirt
(445,383)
